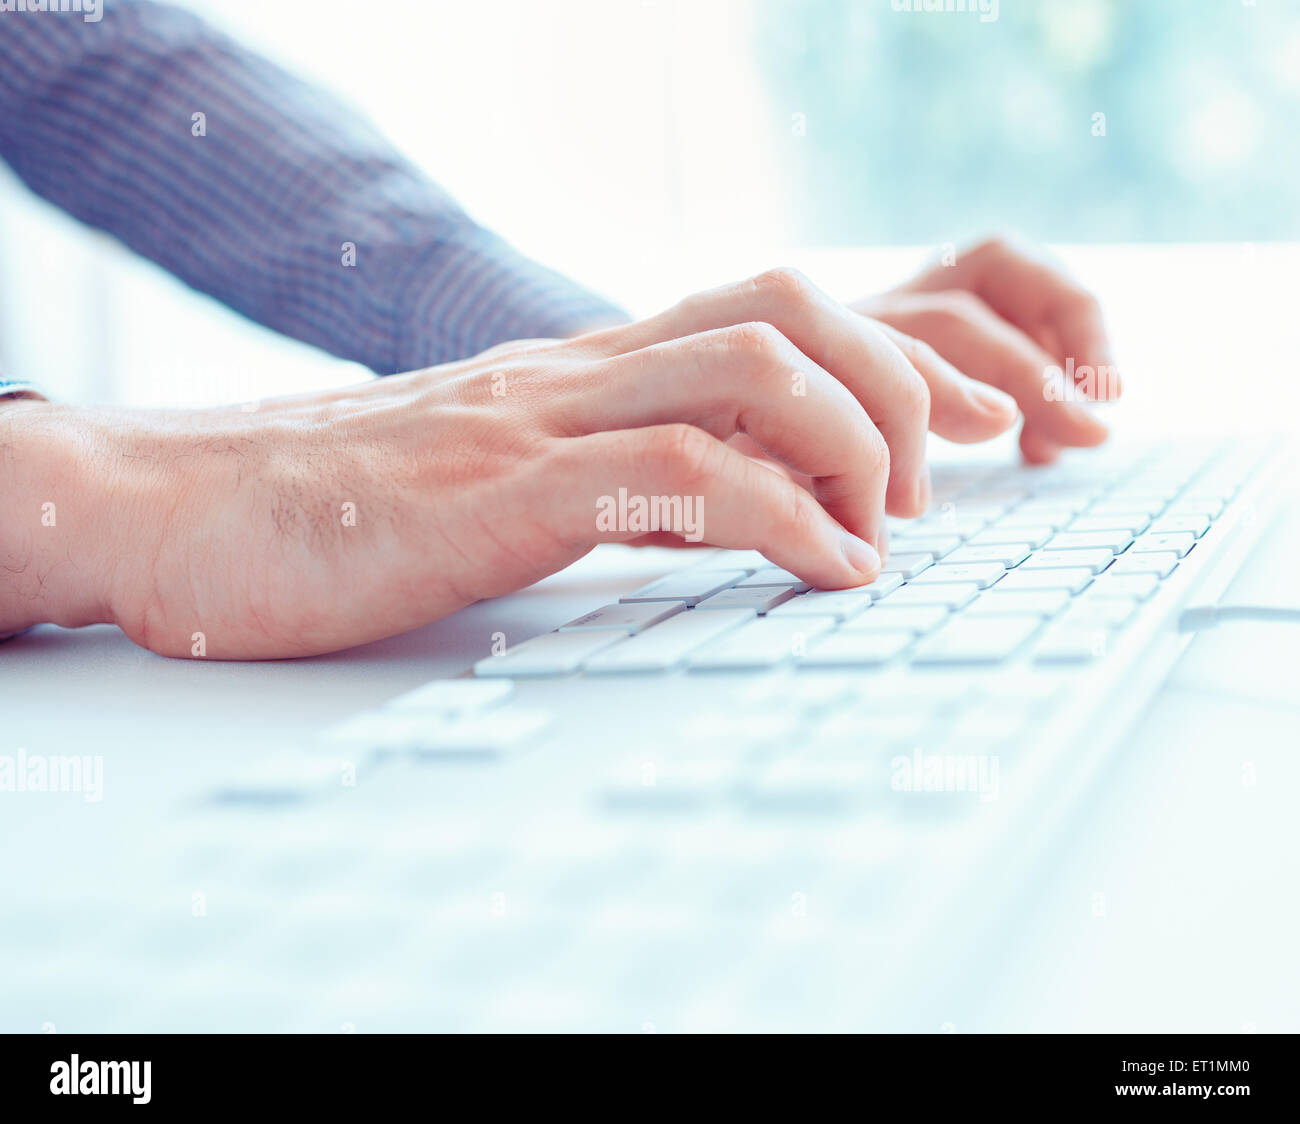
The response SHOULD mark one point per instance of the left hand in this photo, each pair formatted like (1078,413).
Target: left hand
(1007,317)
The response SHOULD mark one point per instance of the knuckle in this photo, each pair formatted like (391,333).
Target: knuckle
(802,516)
(785,285)
(683,454)
(915,351)
(914,393)
(756,340)
(1086,301)
(960,304)
(692,303)
(992,245)
(875,452)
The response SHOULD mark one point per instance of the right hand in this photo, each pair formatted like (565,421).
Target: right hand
(476,478)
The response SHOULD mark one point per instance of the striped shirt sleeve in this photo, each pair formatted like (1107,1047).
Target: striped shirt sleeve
(15,386)
(263,191)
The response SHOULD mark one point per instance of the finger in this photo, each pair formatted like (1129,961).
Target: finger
(1043,301)
(973,338)
(702,491)
(748,379)
(854,350)
(961,409)
(743,443)
(1037,449)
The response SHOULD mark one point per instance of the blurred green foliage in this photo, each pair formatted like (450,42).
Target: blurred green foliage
(915,126)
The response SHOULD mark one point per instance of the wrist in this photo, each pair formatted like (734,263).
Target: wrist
(57,516)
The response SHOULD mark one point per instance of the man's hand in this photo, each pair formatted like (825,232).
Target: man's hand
(1011,319)
(332,519)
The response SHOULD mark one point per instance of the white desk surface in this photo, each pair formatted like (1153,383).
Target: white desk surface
(1190,838)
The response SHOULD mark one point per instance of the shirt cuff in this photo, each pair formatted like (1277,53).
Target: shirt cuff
(17,386)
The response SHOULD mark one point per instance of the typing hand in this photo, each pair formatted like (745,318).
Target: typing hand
(331,519)
(1008,318)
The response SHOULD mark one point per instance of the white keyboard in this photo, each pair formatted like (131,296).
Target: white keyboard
(1045,566)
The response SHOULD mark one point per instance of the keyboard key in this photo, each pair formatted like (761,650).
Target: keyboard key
(981,640)
(669,784)
(981,503)
(1093,560)
(1114,541)
(691,586)
(1072,580)
(1105,612)
(937,545)
(1072,644)
(1133,524)
(761,643)
(1042,603)
(1140,586)
(554,653)
(842,603)
(376,729)
(668,644)
(1148,508)
(951,523)
(1173,524)
(1139,490)
(857,648)
(1050,507)
(625,616)
(747,560)
(774,575)
(760,598)
(864,728)
(1206,507)
(953,595)
(1006,554)
(838,603)
(792,692)
(455,696)
(917,620)
(1028,534)
(716,727)
(1162,563)
(1052,519)
(1179,543)
(884,583)
(982,574)
(907,565)
(432,731)
(488,733)
(804,783)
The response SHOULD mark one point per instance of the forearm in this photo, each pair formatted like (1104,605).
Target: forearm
(280,202)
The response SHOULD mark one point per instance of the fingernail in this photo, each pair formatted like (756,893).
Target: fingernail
(861,555)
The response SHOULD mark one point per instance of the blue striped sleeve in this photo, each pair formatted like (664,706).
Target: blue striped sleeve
(15,386)
(263,191)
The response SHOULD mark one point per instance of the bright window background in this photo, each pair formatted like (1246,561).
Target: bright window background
(649,147)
